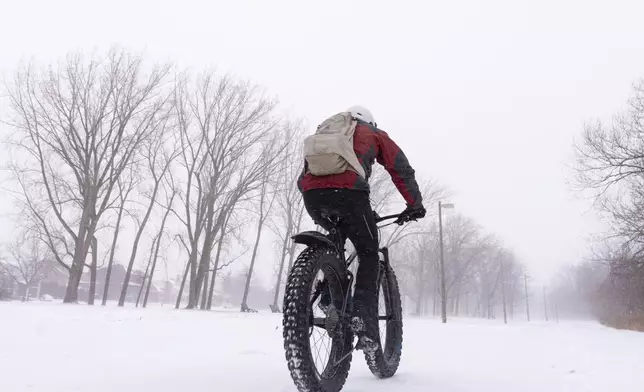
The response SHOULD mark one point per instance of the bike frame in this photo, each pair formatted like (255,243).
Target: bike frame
(339,243)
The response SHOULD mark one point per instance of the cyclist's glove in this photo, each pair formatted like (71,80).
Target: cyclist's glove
(412,213)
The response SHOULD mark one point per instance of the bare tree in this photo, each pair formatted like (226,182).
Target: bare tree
(92,271)
(267,196)
(77,127)
(171,193)
(248,178)
(503,296)
(220,124)
(159,151)
(227,232)
(217,267)
(124,189)
(473,278)
(384,200)
(4,279)
(290,209)
(28,261)
(147,270)
(610,164)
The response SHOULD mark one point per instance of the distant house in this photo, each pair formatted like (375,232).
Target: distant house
(11,290)
(6,287)
(117,276)
(54,285)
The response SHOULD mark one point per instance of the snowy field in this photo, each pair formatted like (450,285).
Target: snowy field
(46,347)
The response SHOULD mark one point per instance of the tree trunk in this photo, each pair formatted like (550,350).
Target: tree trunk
(92,271)
(108,273)
(527,301)
(154,265)
(214,271)
(505,311)
(244,304)
(156,248)
(212,225)
(205,291)
(204,276)
(211,292)
(25,294)
(457,302)
(434,300)
(291,255)
(76,270)
(545,303)
(81,247)
(511,302)
(145,275)
(291,258)
(192,295)
(291,252)
(278,283)
(135,246)
(421,286)
(183,283)
(196,286)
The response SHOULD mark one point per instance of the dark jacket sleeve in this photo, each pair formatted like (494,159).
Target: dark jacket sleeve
(402,174)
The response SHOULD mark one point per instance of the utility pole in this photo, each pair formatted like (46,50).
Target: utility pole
(421,288)
(441,207)
(545,304)
(527,301)
(556,313)
(505,312)
(440,233)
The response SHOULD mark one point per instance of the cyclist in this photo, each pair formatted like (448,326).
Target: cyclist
(346,195)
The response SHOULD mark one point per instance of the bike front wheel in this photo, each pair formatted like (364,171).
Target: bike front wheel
(317,340)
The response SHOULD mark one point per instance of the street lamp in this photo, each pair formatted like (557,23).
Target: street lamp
(442,206)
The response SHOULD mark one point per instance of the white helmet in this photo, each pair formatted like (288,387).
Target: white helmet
(362,113)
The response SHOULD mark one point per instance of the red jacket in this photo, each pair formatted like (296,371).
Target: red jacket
(370,144)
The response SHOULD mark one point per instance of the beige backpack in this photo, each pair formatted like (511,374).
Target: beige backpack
(330,149)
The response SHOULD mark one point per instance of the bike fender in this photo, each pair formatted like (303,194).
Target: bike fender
(311,238)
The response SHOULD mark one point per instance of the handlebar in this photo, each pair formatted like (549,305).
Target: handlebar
(384,218)
(400,218)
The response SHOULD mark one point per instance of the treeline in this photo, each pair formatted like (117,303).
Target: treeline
(610,166)
(111,152)
(482,277)
(114,156)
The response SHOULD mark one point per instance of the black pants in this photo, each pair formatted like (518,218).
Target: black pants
(358,225)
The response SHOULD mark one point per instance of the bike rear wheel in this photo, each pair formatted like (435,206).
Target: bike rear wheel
(308,331)
(384,362)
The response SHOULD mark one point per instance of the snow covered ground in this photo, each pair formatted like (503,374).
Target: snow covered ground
(48,347)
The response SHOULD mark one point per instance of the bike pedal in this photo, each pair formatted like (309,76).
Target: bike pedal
(367,345)
(357,325)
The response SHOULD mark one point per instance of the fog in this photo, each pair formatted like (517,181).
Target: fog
(525,116)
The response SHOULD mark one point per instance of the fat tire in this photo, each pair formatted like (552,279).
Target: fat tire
(296,322)
(384,362)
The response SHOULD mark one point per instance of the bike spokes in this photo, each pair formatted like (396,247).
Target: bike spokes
(383,312)
(319,338)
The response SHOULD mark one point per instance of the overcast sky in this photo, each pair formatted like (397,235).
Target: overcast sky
(484,96)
